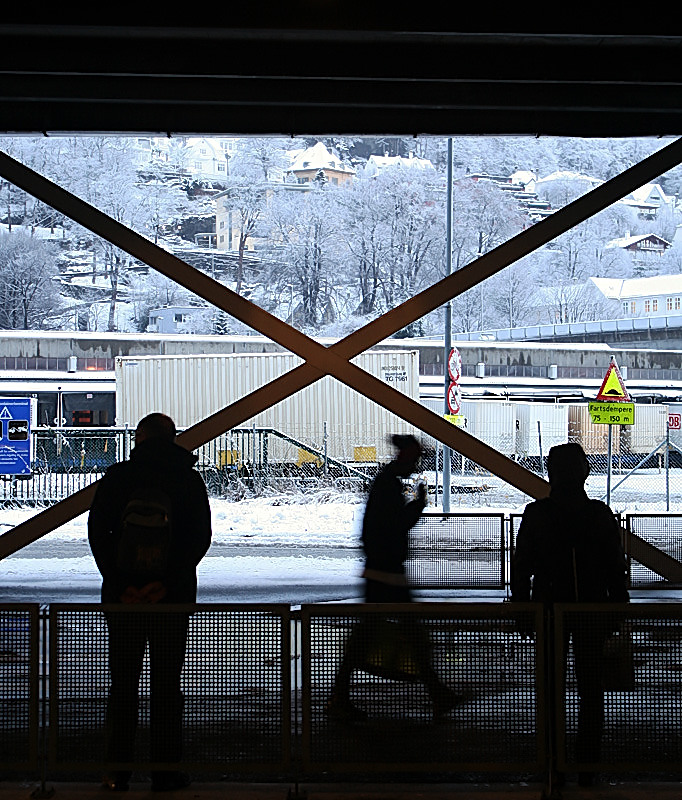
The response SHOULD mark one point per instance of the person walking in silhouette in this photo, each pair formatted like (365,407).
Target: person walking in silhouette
(149,527)
(569,549)
(386,526)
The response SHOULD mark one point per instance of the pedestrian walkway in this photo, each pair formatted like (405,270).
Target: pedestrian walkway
(352,791)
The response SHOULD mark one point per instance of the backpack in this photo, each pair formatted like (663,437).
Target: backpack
(146,534)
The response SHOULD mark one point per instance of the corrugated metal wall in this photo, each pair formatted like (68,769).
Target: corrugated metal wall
(189,388)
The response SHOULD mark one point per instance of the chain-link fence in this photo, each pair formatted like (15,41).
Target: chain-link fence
(645,473)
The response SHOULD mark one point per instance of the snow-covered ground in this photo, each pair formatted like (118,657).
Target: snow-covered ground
(269,542)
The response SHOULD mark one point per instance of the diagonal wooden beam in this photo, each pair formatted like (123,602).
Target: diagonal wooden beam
(327,360)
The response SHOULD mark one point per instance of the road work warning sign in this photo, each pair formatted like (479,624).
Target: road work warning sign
(613,405)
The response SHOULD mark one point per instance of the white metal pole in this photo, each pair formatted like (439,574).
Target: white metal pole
(608,468)
(448,334)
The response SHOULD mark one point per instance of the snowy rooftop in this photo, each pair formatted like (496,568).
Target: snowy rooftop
(627,241)
(318,157)
(632,288)
(377,163)
(565,175)
(54,234)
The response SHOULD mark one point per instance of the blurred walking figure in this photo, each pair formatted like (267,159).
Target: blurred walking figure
(386,527)
(149,527)
(569,549)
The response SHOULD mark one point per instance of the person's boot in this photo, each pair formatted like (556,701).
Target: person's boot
(117,781)
(444,700)
(340,708)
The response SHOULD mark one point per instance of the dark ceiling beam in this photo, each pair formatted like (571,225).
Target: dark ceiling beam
(304,81)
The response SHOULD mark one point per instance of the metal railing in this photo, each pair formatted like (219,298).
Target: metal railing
(235,683)
(20,693)
(466,551)
(257,681)
(497,725)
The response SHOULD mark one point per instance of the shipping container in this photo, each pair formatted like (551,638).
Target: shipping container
(491,421)
(328,416)
(540,426)
(648,431)
(594,439)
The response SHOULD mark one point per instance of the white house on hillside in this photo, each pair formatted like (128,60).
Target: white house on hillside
(644,243)
(201,157)
(316,160)
(643,297)
(648,200)
(176,319)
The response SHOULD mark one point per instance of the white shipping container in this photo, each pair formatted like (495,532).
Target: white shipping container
(190,388)
(647,432)
(540,425)
(493,422)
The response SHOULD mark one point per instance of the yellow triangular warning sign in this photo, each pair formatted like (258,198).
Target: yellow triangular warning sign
(613,387)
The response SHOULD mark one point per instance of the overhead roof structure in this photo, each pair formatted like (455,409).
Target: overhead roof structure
(317,68)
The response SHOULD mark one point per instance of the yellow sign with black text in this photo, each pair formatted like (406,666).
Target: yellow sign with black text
(618,413)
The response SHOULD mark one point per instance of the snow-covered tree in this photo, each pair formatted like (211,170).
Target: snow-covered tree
(304,226)
(28,292)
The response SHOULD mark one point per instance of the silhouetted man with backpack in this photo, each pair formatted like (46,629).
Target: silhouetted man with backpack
(149,527)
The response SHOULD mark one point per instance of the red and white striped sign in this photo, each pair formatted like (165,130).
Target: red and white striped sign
(454,398)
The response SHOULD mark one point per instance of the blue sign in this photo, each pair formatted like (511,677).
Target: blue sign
(15,436)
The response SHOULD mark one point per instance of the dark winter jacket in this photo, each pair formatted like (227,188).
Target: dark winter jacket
(569,549)
(169,467)
(387,523)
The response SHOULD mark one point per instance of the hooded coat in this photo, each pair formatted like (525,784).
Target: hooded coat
(569,547)
(163,465)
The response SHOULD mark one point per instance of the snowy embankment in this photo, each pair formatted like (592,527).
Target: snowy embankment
(263,541)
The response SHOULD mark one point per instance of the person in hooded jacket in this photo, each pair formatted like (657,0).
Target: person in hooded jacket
(159,463)
(386,527)
(569,549)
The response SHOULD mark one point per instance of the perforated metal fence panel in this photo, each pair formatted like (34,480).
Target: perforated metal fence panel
(663,531)
(19,662)
(626,660)
(457,551)
(422,687)
(233,713)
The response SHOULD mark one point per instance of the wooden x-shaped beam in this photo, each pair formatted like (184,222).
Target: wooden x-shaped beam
(322,360)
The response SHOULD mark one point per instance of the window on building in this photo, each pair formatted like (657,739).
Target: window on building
(221,167)
(654,305)
(668,304)
(647,306)
(677,304)
(633,306)
(181,317)
(625,308)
